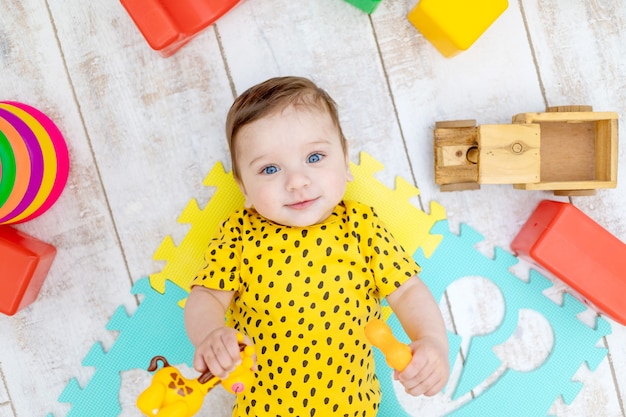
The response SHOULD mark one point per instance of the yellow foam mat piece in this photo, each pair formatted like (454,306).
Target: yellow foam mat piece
(183,261)
(405,221)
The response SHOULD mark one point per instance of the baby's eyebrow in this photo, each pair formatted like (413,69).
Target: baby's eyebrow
(259,155)
(257,159)
(321,141)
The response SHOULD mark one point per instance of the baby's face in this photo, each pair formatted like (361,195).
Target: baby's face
(292,166)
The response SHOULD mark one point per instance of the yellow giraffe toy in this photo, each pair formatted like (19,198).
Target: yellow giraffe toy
(172,395)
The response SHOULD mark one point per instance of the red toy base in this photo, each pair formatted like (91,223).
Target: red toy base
(168,25)
(580,252)
(24,262)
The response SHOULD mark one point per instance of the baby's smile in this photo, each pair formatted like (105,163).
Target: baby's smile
(303,204)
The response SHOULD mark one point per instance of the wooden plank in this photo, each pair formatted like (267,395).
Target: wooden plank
(567,185)
(579,49)
(570,108)
(455,123)
(509,153)
(350,70)
(156,125)
(143,131)
(606,149)
(41,347)
(427,87)
(453,143)
(156,129)
(568,152)
(569,117)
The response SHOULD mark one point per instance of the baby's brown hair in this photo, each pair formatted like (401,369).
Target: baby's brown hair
(275,95)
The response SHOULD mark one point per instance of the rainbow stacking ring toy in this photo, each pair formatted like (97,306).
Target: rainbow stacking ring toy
(34,162)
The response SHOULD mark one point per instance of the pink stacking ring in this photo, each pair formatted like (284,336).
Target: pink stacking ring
(56,159)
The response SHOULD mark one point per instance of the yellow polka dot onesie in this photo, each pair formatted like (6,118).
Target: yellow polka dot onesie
(303,296)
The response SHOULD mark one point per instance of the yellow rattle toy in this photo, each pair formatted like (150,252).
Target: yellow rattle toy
(172,395)
(397,354)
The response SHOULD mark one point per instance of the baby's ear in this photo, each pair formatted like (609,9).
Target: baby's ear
(349,175)
(246,202)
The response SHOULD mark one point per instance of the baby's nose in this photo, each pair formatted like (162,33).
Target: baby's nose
(298,179)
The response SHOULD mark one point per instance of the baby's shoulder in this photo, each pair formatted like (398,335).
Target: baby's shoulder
(356,208)
(242,219)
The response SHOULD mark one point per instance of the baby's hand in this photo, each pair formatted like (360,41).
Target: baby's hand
(428,371)
(219,352)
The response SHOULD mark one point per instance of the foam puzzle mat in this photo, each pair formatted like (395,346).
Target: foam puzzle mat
(156,327)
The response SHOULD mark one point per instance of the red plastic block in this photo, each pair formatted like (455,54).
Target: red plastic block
(24,264)
(577,250)
(168,25)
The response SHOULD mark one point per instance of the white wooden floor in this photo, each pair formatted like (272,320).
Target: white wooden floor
(143,131)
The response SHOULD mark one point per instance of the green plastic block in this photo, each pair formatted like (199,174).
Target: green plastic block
(368,6)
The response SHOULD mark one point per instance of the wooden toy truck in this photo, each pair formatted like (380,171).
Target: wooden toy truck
(570,150)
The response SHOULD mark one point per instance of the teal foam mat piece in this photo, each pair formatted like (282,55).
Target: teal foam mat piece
(513,393)
(157,328)
(389,404)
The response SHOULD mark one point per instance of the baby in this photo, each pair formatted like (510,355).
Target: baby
(299,271)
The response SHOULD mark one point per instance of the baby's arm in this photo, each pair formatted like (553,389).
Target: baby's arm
(421,319)
(216,344)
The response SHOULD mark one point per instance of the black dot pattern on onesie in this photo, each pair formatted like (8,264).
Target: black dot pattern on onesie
(303,296)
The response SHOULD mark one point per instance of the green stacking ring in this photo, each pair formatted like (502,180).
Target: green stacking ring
(7,168)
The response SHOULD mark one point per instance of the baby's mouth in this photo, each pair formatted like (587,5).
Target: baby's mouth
(302,204)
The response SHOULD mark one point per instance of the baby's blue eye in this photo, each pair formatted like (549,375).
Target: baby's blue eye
(316,157)
(270,170)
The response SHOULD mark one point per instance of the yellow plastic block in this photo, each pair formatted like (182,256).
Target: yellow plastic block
(453,26)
